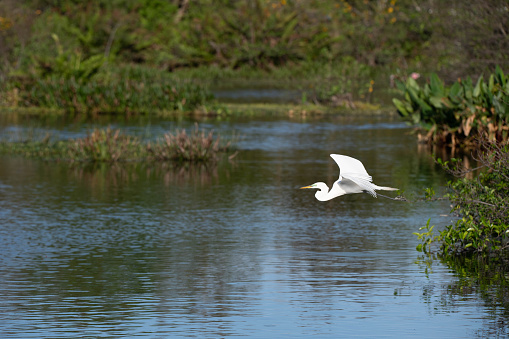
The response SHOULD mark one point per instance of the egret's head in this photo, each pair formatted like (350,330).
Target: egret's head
(317,185)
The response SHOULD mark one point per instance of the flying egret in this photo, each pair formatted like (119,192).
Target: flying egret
(353,178)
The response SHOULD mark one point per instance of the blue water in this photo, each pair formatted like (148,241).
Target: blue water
(232,250)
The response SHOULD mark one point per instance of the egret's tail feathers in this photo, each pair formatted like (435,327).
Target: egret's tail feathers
(387,188)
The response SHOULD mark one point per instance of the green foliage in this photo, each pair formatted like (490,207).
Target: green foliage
(337,80)
(69,64)
(332,47)
(429,194)
(455,114)
(426,238)
(261,33)
(156,13)
(482,204)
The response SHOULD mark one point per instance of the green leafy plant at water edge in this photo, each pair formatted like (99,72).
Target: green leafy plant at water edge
(426,238)
(481,203)
(456,114)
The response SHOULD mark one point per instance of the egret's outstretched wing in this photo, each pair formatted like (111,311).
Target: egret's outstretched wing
(349,165)
(352,169)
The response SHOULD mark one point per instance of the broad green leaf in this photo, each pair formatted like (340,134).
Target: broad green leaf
(422,104)
(436,102)
(412,84)
(455,90)
(401,107)
(436,85)
(500,76)
(478,87)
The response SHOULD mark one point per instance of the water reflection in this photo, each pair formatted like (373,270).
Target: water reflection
(477,279)
(119,174)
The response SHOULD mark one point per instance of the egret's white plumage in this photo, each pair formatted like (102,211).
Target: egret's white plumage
(353,178)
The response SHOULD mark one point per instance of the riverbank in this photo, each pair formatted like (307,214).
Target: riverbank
(224,110)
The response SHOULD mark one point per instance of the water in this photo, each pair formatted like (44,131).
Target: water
(233,250)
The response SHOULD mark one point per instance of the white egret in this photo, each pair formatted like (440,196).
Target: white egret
(353,178)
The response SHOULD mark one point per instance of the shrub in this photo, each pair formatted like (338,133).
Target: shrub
(481,203)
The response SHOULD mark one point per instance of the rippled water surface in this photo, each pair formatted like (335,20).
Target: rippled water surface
(229,250)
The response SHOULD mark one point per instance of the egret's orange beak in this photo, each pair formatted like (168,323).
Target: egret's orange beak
(305,187)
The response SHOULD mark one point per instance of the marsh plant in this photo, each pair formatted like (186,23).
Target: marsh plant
(196,146)
(108,145)
(105,145)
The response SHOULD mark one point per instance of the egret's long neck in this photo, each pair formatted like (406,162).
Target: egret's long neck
(325,194)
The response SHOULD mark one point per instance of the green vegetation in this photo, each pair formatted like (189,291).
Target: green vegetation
(117,96)
(481,203)
(77,55)
(106,145)
(455,115)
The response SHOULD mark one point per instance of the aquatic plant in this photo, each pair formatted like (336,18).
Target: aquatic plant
(455,115)
(104,145)
(482,204)
(42,149)
(108,145)
(198,146)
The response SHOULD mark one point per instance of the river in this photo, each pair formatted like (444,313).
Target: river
(233,249)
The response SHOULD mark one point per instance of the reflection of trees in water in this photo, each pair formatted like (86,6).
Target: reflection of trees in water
(480,276)
(447,153)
